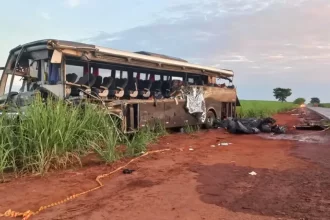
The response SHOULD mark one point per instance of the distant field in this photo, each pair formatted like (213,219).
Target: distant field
(325,105)
(253,108)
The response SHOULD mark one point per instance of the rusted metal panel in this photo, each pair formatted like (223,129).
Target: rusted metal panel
(220,94)
(150,113)
(176,114)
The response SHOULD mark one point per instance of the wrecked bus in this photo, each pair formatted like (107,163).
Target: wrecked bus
(137,87)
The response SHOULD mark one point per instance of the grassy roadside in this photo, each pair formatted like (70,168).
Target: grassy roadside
(55,136)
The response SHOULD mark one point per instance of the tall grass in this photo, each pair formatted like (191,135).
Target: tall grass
(137,143)
(251,108)
(56,135)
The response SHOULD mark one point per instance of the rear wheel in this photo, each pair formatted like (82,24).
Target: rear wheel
(209,121)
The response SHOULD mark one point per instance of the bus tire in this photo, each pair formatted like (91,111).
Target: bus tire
(209,121)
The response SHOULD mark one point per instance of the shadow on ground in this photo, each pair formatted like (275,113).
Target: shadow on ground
(302,194)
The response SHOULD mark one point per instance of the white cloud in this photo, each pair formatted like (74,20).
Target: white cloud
(45,15)
(112,39)
(279,56)
(73,3)
(236,58)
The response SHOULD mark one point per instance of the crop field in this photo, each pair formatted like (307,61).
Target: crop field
(255,108)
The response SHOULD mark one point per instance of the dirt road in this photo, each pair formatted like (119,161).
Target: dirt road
(208,182)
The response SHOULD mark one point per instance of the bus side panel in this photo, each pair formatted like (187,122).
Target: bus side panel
(176,114)
(212,104)
(221,99)
(151,113)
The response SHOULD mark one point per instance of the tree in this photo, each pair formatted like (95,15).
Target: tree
(315,100)
(299,101)
(282,94)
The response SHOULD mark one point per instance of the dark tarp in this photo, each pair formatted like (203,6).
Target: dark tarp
(250,126)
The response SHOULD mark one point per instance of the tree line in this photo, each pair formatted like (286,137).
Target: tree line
(281,94)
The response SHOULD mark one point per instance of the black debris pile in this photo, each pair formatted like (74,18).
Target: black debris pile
(128,171)
(250,126)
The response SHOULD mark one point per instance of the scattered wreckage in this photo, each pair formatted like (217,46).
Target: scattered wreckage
(250,126)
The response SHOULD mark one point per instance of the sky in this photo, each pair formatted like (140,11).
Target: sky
(268,43)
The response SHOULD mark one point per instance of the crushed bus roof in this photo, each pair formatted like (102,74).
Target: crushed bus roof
(141,55)
(161,56)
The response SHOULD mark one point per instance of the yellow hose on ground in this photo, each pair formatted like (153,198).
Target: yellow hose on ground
(26,215)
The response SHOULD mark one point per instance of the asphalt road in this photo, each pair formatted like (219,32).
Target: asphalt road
(322,111)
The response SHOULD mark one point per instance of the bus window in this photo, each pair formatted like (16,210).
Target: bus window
(157,77)
(104,72)
(143,76)
(177,78)
(117,76)
(220,83)
(191,80)
(124,75)
(17,83)
(77,69)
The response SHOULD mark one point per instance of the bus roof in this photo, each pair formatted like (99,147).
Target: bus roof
(142,55)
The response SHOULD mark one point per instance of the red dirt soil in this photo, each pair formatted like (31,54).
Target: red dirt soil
(208,182)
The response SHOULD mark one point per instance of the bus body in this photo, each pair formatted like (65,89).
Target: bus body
(139,88)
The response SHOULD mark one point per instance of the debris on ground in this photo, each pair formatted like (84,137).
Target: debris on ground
(223,144)
(128,171)
(250,126)
(191,149)
(253,173)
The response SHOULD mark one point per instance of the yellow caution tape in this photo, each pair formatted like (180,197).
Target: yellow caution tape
(26,215)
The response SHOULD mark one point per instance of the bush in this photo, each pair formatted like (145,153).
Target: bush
(299,101)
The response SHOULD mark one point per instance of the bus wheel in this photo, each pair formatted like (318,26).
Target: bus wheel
(209,121)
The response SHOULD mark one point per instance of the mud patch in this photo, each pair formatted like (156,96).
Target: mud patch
(294,193)
(307,138)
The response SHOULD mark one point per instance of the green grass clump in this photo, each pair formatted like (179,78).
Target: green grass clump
(137,143)
(256,109)
(55,135)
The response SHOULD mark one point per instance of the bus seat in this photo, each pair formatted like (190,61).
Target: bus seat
(103,90)
(98,82)
(132,88)
(120,87)
(107,81)
(85,82)
(156,89)
(96,87)
(112,88)
(82,80)
(91,80)
(71,77)
(144,88)
(166,89)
